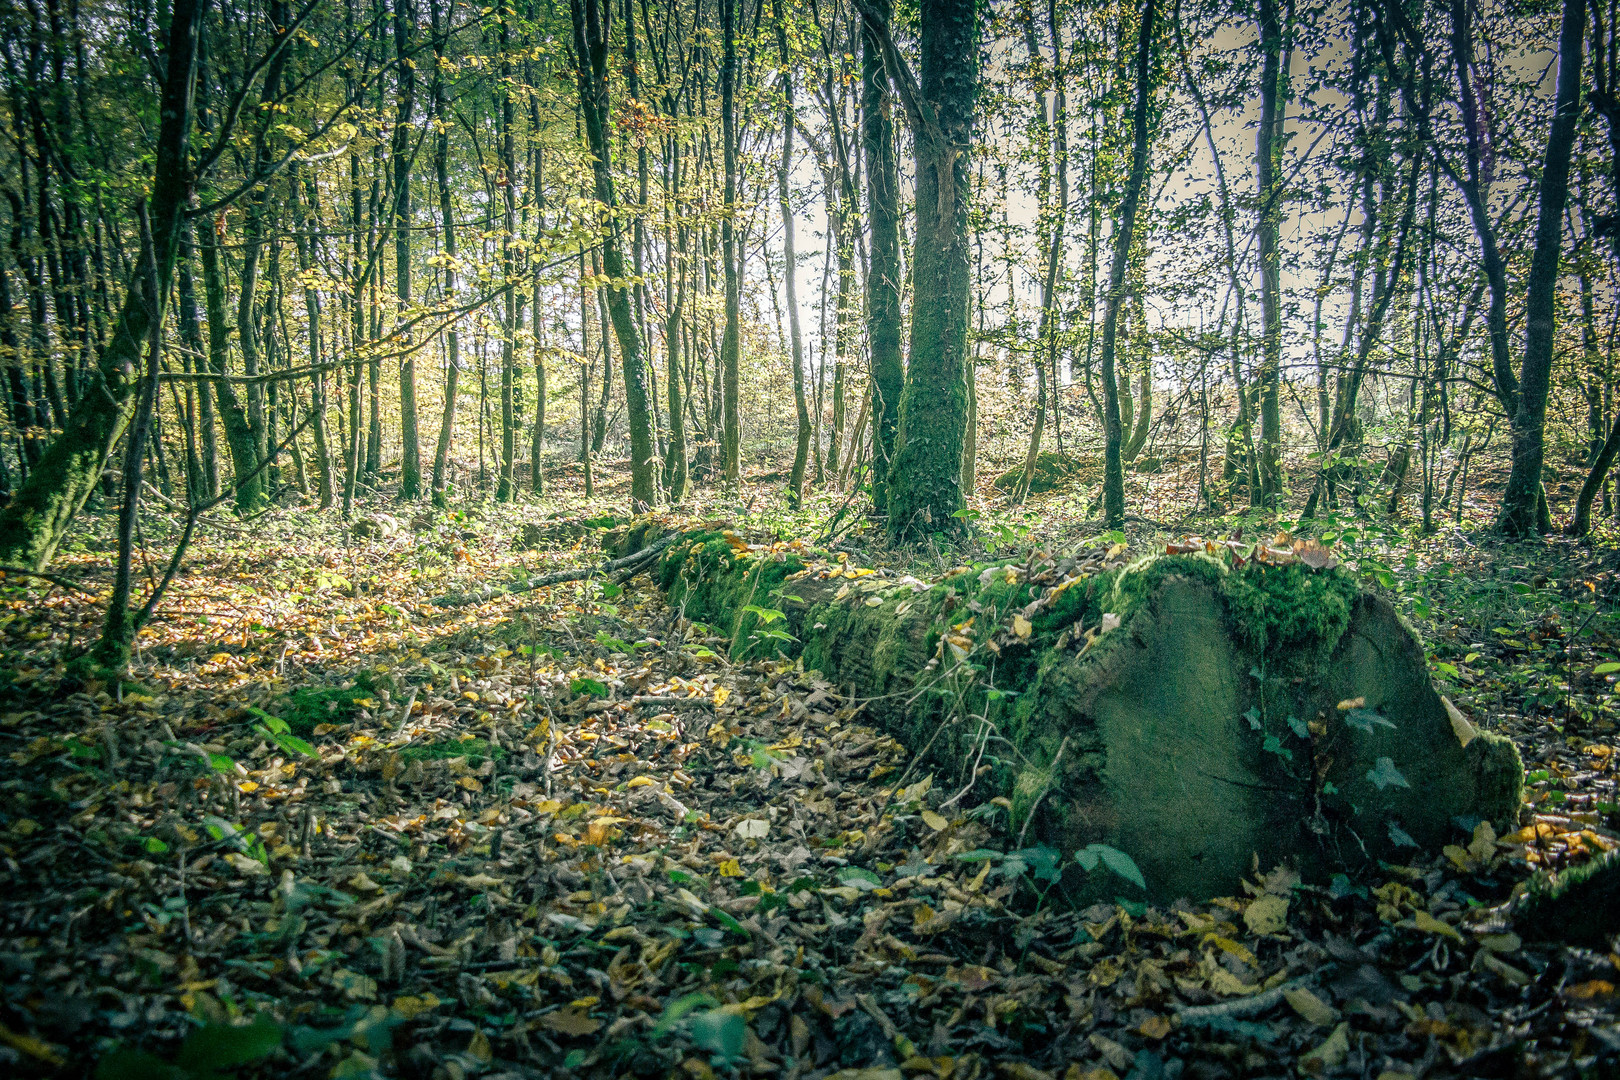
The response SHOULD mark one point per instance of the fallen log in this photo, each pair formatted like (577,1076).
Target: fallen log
(1207,713)
(628,565)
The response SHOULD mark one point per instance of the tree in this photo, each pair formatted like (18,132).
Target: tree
(1520,514)
(590,49)
(883,328)
(731,341)
(925,478)
(33,523)
(1124,234)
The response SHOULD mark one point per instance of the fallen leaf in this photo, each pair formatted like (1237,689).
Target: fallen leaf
(1267,915)
(1330,1054)
(1310,1007)
(571,1021)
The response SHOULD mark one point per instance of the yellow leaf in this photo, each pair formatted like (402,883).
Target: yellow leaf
(1330,1055)
(935,821)
(1154,1027)
(1267,915)
(1234,948)
(1431,925)
(571,1021)
(1225,983)
(34,1048)
(411,1007)
(1311,1007)
(471,783)
(1021,626)
(731,868)
(720,695)
(478,1046)
(640,781)
(247,787)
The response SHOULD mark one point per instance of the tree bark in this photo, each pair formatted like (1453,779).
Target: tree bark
(1520,514)
(33,523)
(1125,230)
(925,478)
(590,45)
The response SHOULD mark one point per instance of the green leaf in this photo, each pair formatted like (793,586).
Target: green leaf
(729,923)
(859,877)
(1384,774)
(275,724)
(223,1046)
(679,1009)
(221,763)
(720,1032)
(294,745)
(1119,862)
(763,614)
(153,845)
(585,685)
(1606,669)
(979,855)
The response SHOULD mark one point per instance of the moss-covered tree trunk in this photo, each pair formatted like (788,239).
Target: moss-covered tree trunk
(33,523)
(925,477)
(1194,716)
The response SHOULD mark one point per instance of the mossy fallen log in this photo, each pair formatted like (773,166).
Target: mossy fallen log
(1580,906)
(1197,716)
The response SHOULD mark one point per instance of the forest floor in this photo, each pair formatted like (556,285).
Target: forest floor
(559,833)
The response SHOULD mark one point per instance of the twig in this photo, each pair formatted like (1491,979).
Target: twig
(634,561)
(1259,1003)
(54,579)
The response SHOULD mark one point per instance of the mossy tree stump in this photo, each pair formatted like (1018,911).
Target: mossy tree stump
(1193,715)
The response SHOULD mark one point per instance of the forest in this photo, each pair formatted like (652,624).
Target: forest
(831,539)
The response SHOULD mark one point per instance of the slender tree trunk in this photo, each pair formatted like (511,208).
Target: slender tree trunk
(447,223)
(590,45)
(410,465)
(790,269)
(1268,152)
(505,486)
(1124,232)
(731,343)
(1521,513)
(883,330)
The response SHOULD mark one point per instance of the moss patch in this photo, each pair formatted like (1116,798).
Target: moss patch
(311,705)
(476,751)
(1580,906)
(1052,472)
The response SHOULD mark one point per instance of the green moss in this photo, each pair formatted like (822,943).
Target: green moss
(1290,612)
(311,705)
(1580,906)
(476,751)
(1052,471)
(1132,585)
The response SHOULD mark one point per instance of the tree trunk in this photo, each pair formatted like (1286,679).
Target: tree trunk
(1154,737)
(1268,153)
(731,342)
(790,271)
(1125,230)
(883,330)
(1521,513)
(33,523)
(590,45)
(447,223)
(925,479)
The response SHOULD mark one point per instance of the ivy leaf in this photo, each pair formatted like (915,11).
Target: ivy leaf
(1384,774)
(1365,720)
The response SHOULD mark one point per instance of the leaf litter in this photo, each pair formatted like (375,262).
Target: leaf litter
(333,830)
